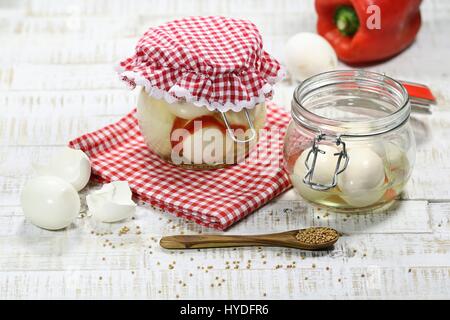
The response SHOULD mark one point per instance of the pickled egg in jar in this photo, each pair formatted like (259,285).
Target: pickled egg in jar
(195,137)
(205,82)
(350,146)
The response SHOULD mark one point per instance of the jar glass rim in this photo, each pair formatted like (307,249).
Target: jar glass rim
(316,122)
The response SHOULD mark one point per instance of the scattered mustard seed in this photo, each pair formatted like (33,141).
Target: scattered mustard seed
(123,230)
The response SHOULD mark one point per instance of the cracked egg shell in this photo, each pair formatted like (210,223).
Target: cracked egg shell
(111,203)
(70,165)
(50,202)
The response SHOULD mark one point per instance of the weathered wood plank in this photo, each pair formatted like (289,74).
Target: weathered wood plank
(80,103)
(57,82)
(377,283)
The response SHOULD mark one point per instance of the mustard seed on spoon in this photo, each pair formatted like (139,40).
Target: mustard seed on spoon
(317,235)
(314,238)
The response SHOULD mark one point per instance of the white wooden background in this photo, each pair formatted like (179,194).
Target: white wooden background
(57,82)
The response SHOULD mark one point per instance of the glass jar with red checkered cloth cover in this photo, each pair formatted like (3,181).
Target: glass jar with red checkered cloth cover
(204,83)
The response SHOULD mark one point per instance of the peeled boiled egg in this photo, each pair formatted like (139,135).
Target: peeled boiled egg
(112,202)
(155,122)
(188,111)
(395,156)
(323,172)
(208,145)
(308,54)
(70,165)
(50,202)
(361,182)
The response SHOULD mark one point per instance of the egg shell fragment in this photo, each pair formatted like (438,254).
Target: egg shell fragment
(50,202)
(112,202)
(70,165)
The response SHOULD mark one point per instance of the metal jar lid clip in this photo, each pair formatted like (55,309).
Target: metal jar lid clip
(230,130)
(342,156)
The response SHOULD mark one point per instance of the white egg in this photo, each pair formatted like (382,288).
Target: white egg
(395,156)
(208,145)
(323,172)
(155,122)
(364,198)
(308,54)
(112,202)
(187,110)
(50,202)
(70,165)
(361,181)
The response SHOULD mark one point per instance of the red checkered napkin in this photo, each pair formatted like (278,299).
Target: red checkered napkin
(214,62)
(213,198)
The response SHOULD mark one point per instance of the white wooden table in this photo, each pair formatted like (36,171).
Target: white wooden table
(57,82)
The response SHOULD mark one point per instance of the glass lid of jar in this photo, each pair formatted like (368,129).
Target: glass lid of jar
(350,103)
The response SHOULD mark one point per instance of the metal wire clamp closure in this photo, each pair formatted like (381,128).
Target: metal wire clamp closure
(230,130)
(342,156)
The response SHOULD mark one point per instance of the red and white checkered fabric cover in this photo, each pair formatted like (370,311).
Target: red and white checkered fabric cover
(213,198)
(215,62)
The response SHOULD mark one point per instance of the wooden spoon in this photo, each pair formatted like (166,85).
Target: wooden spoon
(284,239)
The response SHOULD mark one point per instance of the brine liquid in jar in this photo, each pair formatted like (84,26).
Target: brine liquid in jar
(350,146)
(194,137)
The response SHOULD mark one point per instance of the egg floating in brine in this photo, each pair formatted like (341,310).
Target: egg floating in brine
(155,123)
(208,145)
(361,182)
(70,165)
(112,202)
(323,172)
(50,202)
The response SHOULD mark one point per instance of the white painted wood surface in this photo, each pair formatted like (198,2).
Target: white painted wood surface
(57,82)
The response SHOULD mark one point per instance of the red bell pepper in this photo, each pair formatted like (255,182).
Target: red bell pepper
(356,40)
